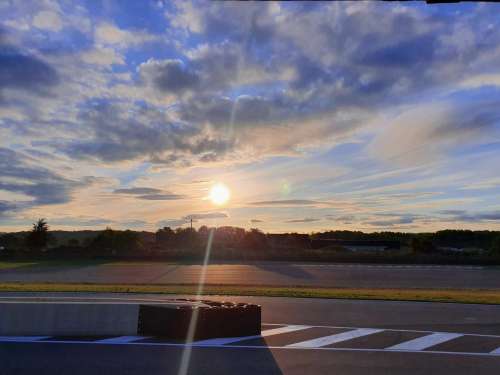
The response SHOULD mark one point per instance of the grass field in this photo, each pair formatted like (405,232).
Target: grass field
(430,295)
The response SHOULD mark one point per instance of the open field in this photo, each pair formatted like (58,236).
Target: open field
(429,295)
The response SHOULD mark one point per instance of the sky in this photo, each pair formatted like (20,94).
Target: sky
(367,116)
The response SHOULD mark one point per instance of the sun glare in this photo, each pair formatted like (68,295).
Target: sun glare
(219,194)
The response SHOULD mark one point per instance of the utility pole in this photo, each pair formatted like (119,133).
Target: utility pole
(191,223)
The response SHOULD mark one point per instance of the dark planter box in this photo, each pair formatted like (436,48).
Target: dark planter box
(210,319)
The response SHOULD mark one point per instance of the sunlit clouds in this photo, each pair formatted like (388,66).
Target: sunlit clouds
(286,116)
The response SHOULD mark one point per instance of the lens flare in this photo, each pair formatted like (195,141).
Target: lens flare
(219,194)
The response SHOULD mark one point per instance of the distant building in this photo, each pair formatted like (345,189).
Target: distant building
(356,245)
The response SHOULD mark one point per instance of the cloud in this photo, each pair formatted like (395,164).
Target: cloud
(141,133)
(137,191)
(109,34)
(208,215)
(22,175)
(305,220)
(428,130)
(287,202)
(255,221)
(150,194)
(472,217)
(25,72)
(161,197)
(168,76)
(48,20)
(102,56)
(394,219)
(6,207)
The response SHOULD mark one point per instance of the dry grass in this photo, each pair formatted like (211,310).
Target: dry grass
(430,295)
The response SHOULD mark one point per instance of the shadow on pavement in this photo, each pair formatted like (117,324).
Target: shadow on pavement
(290,270)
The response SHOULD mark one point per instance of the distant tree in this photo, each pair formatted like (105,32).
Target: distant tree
(422,246)
(165,237)
(112,242)
(255,240)
(73,242)
(495,248)
(11,242)
(38,238)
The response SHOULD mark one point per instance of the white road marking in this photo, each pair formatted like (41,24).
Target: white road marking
(332,339)
(425,342)
(496,351)
(265,333)
(121,339)
(23,338)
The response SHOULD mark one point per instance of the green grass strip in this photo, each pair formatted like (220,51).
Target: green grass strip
(431,295)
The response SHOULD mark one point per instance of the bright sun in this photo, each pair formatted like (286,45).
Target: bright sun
(219,194)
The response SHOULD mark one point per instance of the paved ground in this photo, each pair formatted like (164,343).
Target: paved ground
(268,273)
(300,336)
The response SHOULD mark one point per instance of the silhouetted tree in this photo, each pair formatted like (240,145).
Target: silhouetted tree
(38,238)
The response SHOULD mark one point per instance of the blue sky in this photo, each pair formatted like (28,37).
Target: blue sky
(365,115)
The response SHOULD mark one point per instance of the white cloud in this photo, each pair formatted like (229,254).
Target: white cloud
(109,34)
(102,56)
(48,20)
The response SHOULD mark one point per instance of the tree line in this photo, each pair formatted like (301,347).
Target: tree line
(228,242)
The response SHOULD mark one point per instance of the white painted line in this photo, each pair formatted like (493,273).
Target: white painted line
(496,351)
(332,339)
(267,332)
(286,329)
(22,338)
(425,342)
(121,339)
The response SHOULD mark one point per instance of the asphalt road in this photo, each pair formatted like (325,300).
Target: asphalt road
(267,273)
(327,337)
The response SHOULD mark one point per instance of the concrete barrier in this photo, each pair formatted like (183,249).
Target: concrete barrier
(170,318)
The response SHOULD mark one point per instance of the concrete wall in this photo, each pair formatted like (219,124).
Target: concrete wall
(68,318)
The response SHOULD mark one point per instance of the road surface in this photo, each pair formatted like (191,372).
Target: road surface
(300,336)
(267,273)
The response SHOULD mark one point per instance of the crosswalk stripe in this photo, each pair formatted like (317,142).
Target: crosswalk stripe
(425,342)
(121,339)
(23,338)
(267,332)
(332,339)
(496,351)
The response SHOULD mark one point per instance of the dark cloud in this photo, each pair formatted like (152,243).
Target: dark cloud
(19,174)
(254,221)
(161,197)
(404,54)
(145,133)
(137,191)
(169,76)
(393,219)
(472,217)
(6,207)
(305,220)
(150,194)
(24,71)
